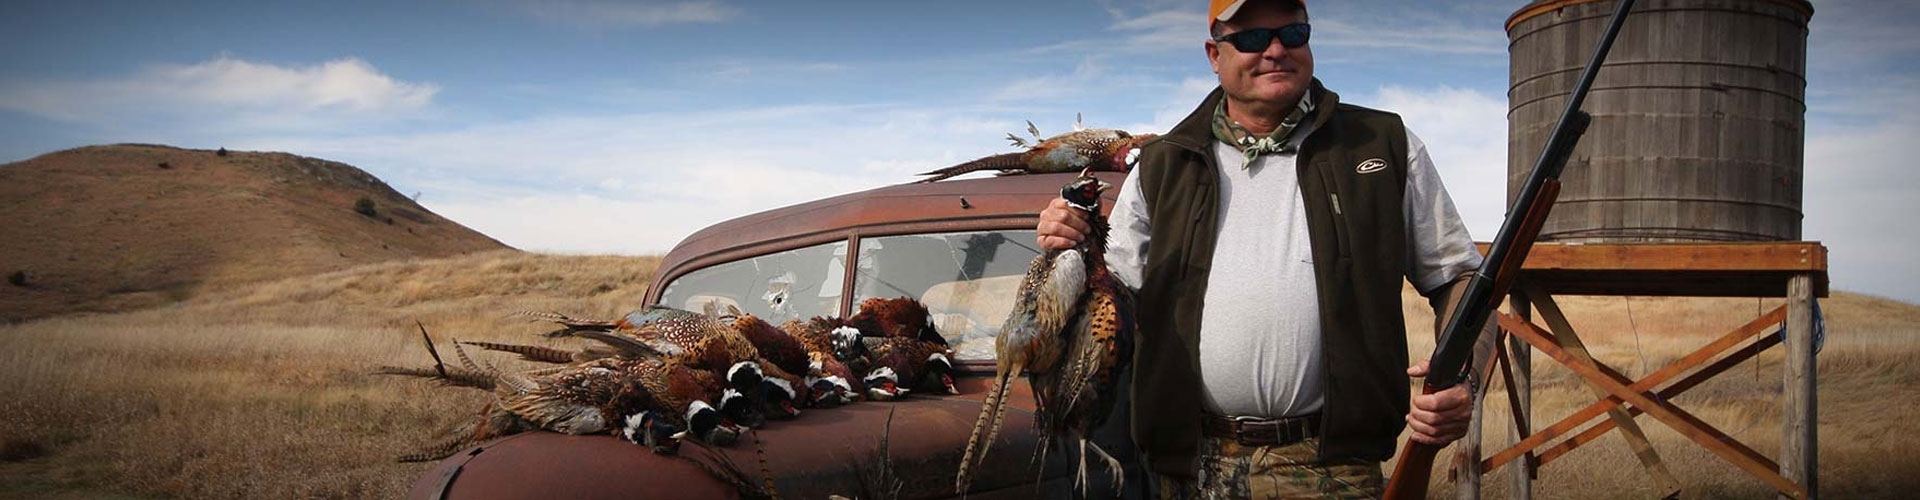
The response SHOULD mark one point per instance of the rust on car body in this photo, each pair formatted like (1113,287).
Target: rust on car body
(824,451)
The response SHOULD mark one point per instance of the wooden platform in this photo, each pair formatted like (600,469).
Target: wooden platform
(1796,271)
(1674,269)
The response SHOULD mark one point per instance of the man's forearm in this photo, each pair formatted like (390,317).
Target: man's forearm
(1443,300)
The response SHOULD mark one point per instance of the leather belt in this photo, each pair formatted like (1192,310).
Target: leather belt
(1256,431)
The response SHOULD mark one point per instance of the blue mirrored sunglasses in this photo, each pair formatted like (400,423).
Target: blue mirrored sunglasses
(1257,39)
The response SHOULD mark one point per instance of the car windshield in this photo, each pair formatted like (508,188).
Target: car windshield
(968,280)
(795,284)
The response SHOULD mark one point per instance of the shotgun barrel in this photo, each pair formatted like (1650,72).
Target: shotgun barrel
(1454,351)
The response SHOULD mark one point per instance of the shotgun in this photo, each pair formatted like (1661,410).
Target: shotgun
(1452,354)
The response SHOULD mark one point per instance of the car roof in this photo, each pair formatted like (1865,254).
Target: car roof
(1007,202)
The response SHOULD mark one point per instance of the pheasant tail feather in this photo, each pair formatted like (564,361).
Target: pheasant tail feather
(992,411)
(527,352)
(1004,161)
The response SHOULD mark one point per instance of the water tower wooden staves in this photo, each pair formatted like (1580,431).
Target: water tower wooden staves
(1686,184)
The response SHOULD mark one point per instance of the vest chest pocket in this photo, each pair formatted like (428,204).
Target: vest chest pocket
(1336,208)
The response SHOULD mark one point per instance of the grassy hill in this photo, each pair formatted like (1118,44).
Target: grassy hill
(120,227)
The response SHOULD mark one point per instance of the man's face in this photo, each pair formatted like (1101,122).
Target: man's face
(1277,75)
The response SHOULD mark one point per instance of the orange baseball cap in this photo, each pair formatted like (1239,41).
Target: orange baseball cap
(1222,10)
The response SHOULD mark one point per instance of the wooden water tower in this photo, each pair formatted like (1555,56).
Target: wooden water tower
(1698,118)
(1687,183)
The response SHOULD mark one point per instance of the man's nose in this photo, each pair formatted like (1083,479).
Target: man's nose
(1275,49)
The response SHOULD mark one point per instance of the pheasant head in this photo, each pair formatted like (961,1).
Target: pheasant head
(780,395)
(939,370)
(1124,153)
(650,430)
(738,408)
(883,384)
(1084,193)
(709,424)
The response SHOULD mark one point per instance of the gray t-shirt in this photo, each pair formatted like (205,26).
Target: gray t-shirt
(1260,332)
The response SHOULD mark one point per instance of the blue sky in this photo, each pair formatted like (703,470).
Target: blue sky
(591,126)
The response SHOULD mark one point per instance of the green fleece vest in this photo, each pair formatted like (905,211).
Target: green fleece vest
(1353,177)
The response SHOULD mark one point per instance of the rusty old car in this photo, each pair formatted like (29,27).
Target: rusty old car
(959,246)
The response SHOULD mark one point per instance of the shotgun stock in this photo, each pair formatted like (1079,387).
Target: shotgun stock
(1454,351)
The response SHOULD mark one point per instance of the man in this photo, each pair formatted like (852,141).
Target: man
(1268,235)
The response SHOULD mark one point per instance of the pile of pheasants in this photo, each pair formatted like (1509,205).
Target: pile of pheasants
(660,374)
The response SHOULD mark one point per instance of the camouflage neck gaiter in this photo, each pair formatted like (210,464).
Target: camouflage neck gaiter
(1232,133)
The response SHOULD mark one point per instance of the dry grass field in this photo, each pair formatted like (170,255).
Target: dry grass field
(262,391)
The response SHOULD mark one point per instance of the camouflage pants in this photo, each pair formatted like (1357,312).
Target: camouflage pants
(1229,469)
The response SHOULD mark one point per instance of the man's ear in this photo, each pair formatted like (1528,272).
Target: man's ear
(1213,55)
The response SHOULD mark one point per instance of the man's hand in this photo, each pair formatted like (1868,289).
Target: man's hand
(1441,417)
(1061,226)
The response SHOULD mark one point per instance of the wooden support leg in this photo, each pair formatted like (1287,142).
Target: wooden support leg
(1567,338)
(1466,466)
(1799,447)
(1520,358)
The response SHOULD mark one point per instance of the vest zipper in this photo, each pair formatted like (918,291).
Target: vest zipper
(1339,217)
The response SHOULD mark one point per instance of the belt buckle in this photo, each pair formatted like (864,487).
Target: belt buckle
(1240,429)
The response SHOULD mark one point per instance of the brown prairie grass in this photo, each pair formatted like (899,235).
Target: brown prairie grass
(263,391)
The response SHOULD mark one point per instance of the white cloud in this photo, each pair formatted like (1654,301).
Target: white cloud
(226,90)
(1861,190)
(1188,95)
(733,70)
(1166,30)
(1054,87)
(617,14)
(1408,35)
(1466,135)
(638,183)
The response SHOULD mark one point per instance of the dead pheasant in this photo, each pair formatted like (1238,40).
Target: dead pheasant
(693,339)
(1070,332)
(904,364)
(647,402)
(708,341)
(1098,149)
(895,317)
(829,344)
(784,354)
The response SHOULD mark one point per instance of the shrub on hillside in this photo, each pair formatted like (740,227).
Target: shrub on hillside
(365,207)
(17,449)
(18,278)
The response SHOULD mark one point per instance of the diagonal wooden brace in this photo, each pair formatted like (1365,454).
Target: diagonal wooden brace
(1569,339)
(1652,380)
(1592,433)
(1679,420)
(1521,425)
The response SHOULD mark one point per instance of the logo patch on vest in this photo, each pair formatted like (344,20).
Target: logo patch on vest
(1370,166)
